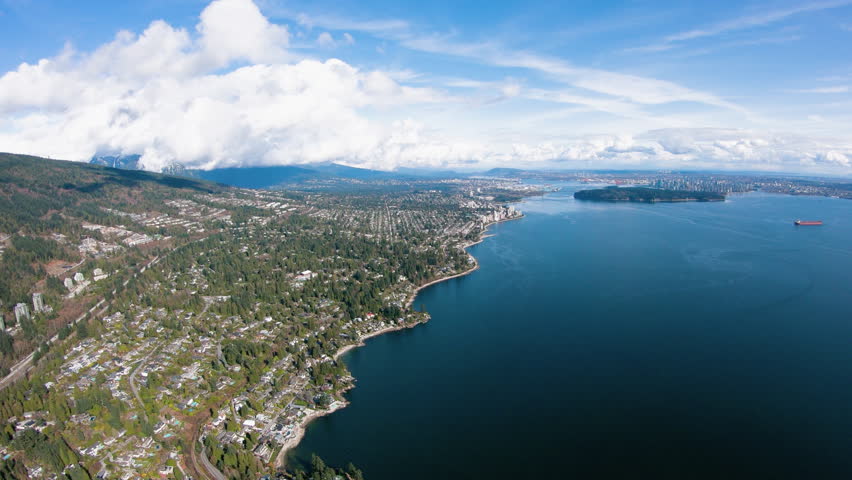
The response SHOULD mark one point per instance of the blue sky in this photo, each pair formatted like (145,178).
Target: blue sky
(384,84)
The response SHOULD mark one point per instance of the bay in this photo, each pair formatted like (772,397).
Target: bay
(694,340)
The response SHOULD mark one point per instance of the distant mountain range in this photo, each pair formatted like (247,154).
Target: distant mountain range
(124,162)
(131,162)
(265,177)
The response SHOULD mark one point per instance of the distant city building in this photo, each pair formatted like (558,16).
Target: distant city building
(78,277)
(21,311)
(38,303)
(69,284)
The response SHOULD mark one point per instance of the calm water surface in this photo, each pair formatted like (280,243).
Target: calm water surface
(620,341)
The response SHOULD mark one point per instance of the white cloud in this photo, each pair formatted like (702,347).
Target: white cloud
(337,23)
(839,158)
(716,46)
(325,40)
(834,89)
(236,29)
(755,150)
(162,94)
(727,149)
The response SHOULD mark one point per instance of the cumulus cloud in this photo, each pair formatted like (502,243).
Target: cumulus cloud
(237,29)
(161,94)
(735,148)
(683,148)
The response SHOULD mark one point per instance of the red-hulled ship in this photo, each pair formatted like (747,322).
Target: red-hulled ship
(806,223)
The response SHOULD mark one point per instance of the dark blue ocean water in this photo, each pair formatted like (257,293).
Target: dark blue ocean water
(698,340)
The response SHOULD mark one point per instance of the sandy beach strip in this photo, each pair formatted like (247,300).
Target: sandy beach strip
(301,428)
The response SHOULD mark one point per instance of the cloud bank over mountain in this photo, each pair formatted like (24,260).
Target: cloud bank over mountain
(237,91)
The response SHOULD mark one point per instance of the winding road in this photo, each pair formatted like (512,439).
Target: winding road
(209,468)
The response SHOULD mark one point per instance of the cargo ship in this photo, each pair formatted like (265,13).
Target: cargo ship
(808,222)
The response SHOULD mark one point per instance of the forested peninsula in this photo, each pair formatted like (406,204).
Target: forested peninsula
(646,195)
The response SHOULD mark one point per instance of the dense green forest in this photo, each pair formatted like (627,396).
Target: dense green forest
(649,195)
(37,194)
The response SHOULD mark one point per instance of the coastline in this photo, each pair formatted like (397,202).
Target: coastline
(472,269)
(301,428)
(475,262)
